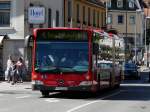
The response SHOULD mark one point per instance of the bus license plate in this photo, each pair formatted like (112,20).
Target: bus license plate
(61,88)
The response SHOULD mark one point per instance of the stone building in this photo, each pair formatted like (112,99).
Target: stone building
(84,13)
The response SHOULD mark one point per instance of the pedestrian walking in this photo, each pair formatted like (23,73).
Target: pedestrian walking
(14,72)
(8,69)
(20,69)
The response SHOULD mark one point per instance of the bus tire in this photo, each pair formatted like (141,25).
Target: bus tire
(45,93)
(117,86)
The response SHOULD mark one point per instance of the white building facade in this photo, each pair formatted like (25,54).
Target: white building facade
(126,16)
(17,20)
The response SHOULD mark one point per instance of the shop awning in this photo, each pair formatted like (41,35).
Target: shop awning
(1,39)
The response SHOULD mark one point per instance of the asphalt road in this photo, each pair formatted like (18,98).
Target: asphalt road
(132,96)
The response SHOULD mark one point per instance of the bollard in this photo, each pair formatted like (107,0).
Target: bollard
(149,76)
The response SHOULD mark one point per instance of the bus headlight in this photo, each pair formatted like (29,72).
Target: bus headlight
(87,77)
(37,82)
(85,83)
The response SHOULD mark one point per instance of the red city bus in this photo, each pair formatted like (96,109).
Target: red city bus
(66,59)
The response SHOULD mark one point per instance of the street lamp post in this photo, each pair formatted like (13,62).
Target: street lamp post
(126,29)
(145,41)
(146,50)
(135,38)
(106,12)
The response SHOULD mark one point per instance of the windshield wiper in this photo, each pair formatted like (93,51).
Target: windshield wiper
(47,69)
(62,69)
(80,68)
(66,69)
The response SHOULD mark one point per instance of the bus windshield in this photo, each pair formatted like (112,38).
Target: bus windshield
(61,56)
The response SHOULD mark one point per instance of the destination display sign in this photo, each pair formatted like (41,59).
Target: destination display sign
(76,35)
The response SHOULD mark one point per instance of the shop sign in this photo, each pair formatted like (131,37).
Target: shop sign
(36,15)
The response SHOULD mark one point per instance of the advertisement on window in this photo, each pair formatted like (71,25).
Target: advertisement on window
(36,15)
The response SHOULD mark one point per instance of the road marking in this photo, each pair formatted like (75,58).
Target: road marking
(52,100)
(139,85)
(98,100)
(21,97)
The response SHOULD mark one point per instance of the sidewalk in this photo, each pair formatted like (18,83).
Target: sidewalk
(4,86)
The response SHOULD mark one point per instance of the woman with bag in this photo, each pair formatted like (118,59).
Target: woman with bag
(20,69)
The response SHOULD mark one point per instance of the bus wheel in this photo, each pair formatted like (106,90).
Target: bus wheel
(45,93)
(117,86)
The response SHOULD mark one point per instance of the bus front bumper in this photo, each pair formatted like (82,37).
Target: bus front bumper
(53,89)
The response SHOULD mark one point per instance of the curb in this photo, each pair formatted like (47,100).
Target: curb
(4,86)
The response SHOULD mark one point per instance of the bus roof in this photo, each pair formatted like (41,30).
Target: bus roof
(98,31)
(61,28)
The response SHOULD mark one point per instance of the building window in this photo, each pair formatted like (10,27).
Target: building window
(57,18)
(49,18)
(98,19)
(119,3)
(102,21)
(109,19)
(40,25)
(69,10)
(5,14)
(120,19)
(94,24)
(84,21)
(131,4)
(31,4)
(78,13)
(132,19)
(89,16)
(109,4)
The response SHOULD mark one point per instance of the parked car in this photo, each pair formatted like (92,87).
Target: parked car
(131,71)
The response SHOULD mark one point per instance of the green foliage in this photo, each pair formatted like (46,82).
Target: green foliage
(107,51)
